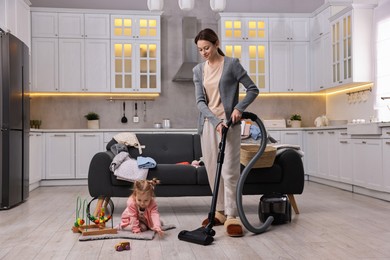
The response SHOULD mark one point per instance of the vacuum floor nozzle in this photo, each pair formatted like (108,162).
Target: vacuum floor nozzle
(198,236)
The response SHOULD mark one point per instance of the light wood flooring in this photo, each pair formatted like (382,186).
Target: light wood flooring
(333,224)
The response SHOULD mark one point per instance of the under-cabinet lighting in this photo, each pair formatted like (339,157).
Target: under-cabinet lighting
(109,95)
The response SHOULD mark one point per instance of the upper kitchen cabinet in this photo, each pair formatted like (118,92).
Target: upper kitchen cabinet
(254,58)
(135,66)
(135,53)
(246,38)
(319,23)
(234,27)
(44,24)
(352,35)
(289,66)
(15,19)
(289,29)
(135,27)
(89,26)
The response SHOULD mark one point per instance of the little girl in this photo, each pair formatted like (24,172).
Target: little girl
(141,212)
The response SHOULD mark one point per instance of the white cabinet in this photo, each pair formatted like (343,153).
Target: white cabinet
(44,61)
(289,67)
(37,155)
(60,156)
(345,160)
(254,58)
(79,25)
(135,53)
(367,163)
(236,27)
(352,34)
(289,29)
(292,137)
(321,55)
(87,145)
(78,56)
(44,24)
(386,163)
(71,64)
(15,18)
(135,27)
(135,66)
(311,153)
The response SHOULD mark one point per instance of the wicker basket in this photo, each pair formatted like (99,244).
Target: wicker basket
(266,160)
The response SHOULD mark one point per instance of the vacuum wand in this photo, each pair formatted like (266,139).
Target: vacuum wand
(205,235)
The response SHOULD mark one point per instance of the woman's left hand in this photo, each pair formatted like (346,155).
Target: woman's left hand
(236,116)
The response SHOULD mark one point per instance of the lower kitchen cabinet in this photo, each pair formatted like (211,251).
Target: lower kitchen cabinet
(311,153)
(37,155)
(60,156)
(345,160)
(367,163)
(386,164)
(87,145)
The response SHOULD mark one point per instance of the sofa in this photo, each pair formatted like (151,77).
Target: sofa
(173,153)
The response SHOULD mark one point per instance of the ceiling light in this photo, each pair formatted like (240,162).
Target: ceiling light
(186,5)
(218,5)
(155,5)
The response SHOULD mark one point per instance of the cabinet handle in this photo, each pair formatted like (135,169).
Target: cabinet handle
(321,133)
(388,133)
(343,133)
(89,135)
(60,135)
(291,133)
(310,133)
(387,143)
(343,142)
(364,142)
(331,132)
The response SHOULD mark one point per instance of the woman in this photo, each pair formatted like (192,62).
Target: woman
(217,87)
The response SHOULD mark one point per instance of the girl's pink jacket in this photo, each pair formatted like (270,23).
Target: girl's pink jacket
(130,216)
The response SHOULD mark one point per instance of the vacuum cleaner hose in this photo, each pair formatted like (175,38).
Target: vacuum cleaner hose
(244,174)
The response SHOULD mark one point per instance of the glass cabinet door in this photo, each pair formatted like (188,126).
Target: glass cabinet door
(123,63)
(135,27)
(148,57)
(347,47)
(253,58)
(336,59)
(244,29)
(257,67)
(136,67)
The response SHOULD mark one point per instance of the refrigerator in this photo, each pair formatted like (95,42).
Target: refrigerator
(14,121)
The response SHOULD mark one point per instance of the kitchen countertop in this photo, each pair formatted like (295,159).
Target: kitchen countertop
(86,130)
(192,130)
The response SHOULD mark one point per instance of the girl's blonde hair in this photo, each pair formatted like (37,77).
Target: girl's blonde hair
(145,186)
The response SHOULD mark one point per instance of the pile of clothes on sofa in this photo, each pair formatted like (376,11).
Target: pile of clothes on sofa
(123,165)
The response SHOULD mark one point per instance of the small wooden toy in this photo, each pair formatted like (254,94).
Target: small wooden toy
(122,246)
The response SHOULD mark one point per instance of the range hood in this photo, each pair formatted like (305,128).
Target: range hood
(190,52)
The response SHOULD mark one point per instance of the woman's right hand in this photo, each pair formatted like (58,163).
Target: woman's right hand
(220,127)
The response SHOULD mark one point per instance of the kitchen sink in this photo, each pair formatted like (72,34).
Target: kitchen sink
(364,129)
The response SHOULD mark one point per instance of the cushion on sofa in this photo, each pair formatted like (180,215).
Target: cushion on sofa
(174,174)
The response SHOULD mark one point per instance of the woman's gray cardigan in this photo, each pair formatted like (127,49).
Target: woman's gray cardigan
(233,73)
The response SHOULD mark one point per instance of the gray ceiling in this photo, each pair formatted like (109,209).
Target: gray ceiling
(260,6)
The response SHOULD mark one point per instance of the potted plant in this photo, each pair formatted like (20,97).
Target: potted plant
(296,120)
(93,120)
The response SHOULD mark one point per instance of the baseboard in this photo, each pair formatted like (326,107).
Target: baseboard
(77,182)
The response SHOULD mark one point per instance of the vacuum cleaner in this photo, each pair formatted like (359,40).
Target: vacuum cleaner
(205,235)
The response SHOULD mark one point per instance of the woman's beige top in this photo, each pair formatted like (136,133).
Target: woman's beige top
(212,75)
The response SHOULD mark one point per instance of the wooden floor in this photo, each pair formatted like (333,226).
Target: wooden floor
(333,224)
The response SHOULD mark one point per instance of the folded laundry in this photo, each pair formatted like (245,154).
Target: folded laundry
(146,162)
(255,132)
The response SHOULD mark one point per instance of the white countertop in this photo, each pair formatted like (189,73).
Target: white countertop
(82,130)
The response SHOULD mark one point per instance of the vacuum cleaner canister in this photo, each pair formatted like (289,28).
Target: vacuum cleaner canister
(276,205)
